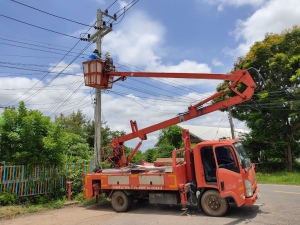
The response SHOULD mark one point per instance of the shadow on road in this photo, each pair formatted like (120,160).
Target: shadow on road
(243,214)
(239,214)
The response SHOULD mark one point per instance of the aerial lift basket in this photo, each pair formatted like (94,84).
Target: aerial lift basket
(94,75)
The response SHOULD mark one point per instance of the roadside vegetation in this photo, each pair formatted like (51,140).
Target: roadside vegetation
(14,210)
(287,178)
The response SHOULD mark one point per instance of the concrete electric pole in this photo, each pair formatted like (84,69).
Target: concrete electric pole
(97,138)
(97,37)
(231,123)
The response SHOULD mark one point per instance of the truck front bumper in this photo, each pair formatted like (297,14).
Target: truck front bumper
(251,200)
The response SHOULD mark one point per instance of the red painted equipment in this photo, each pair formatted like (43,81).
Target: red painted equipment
(69,184)
(211,175)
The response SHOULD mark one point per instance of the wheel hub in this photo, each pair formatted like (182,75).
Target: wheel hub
(213,203)
(120,201)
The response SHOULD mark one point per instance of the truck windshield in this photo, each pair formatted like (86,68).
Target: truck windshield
(242,153)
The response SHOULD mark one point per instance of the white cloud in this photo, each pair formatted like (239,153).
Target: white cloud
(100,1)
(122,4)
(235,3)
(216,62)
(220,8)
(139,42)
(272,17)
(136,40)
(62,66)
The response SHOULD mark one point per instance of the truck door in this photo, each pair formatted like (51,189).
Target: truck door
(229,178)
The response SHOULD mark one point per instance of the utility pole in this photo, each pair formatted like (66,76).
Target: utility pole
(97,138)
(231,123)
(102,31)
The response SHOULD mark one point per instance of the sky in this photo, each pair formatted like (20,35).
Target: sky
(44,68)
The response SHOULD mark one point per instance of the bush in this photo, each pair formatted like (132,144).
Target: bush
(7,199)
(77,186)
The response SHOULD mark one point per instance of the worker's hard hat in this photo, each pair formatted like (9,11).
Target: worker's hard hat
(107,54)
(96,51)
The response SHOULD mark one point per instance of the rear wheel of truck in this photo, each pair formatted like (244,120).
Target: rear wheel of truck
(120,201)
(213,204)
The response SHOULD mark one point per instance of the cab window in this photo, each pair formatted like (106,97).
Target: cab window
(225,159)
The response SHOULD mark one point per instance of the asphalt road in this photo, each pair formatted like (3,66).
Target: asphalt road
(279,204)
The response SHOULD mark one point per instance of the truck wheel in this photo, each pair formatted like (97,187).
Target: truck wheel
(120,201)
(213,204)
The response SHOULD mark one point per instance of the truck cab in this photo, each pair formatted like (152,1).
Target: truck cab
(224,168)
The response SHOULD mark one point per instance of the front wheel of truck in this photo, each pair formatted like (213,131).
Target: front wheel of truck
(213,204)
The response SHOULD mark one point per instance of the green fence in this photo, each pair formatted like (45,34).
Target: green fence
(25,180)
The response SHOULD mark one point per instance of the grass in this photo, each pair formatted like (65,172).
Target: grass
(14,210)
(289,178)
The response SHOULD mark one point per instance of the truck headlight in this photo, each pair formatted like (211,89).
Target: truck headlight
(248,185)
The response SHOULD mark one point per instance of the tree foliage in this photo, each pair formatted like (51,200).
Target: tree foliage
(273,113)
(170,136)
(28,137)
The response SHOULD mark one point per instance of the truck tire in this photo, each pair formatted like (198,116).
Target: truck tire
(120,201)
(213,204)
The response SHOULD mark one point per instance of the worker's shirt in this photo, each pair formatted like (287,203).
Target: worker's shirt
(93,56)
(109,60)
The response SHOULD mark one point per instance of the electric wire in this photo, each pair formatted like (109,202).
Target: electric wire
(58,53)
(31,56)
(78,55)
(37,41)
(132,3)
(45,71)
(29,24)
(30,97)
(61,97)
(60,17)
(111,5)
(20,42)
(77,103)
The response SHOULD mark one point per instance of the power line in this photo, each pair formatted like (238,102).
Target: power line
(132,3)
(48,73)
(60,17)
(31,44)
(120,19)
(59,72)
(58,53)
(29,24)
(154,99)
(29,65)
(45,71)
(127,5)
(30,97)
(111,5)
(61,97)
(177,84)
(36,41)
(26,43)
(31,56)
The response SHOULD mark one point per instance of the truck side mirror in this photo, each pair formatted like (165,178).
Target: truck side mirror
(243,163)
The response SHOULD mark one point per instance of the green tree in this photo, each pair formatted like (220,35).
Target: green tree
(273,113)
(75,148)
(170,136)
(28,137)
(151,154)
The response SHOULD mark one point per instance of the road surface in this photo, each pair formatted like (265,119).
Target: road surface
(279,204)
